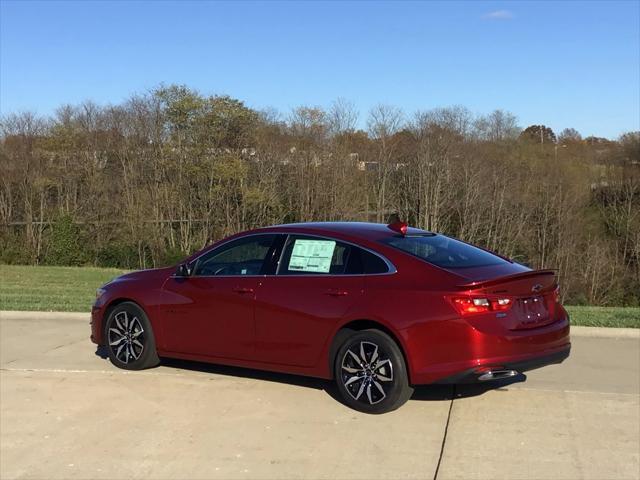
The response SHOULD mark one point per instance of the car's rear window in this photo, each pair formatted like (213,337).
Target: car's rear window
(444,252)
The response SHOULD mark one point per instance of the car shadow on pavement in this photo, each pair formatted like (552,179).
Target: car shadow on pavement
(241,372)
(463,390)
(433,392)
(101,351)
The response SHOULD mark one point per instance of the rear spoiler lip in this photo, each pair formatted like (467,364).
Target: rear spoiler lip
(496,281)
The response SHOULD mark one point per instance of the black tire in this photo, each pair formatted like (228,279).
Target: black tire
(379,383)
(129,338)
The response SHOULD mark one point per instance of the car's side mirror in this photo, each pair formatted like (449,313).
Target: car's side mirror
(183,270)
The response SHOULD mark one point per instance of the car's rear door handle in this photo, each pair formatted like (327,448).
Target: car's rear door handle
(243,290)
(334,292)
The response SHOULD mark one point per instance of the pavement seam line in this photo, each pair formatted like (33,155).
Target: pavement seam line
(524,389)
(109,372)
(51,350)
(444,437)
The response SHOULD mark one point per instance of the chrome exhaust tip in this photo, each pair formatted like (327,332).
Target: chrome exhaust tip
(496,375)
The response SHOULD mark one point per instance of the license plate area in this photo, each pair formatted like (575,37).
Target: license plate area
(534,312)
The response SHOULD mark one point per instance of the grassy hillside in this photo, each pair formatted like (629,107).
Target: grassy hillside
(63,289)
(605,316)
(72,289)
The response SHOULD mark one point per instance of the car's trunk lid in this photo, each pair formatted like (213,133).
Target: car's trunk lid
(533,293)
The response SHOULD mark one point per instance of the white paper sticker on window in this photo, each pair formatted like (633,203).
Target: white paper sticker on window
(312,256)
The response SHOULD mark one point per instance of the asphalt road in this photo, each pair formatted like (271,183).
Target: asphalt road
(67,413)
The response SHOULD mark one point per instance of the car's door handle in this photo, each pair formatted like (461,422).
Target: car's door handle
(334,292)
(243,290)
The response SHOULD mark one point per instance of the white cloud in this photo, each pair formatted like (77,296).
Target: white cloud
(498,15)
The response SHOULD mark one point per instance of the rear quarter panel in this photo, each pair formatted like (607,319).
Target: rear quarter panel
(411,304)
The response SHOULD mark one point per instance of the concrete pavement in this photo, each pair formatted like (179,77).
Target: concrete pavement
(65,412)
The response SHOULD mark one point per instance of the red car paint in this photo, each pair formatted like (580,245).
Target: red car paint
(287,323)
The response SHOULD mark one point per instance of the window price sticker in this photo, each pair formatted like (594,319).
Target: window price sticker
(312,256)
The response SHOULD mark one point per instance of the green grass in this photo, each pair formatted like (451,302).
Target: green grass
(625,317)
(61,289)
(72,289)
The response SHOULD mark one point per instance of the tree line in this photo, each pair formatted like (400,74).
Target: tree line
(143,183)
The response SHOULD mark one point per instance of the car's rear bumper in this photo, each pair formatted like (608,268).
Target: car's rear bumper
(472,374)
(451,351)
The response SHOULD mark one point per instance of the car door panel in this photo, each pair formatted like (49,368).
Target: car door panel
(212,316)
(211,312)
(297,309)
(296,314)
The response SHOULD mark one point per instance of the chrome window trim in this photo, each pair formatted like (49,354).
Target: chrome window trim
(391,267)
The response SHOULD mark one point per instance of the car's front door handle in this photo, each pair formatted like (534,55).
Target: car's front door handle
(334,292)
(243,290)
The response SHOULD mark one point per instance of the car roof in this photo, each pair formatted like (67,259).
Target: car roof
(364,230)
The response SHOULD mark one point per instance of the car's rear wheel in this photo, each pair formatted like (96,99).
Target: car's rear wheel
(129,338)
(370,372)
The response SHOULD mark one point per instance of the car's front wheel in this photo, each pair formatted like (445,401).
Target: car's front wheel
(129,338)
(370,372)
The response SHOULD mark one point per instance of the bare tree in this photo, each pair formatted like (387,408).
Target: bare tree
(343,116)
(498,126)
(384,123)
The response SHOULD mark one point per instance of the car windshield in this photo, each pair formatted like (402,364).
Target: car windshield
(444,252)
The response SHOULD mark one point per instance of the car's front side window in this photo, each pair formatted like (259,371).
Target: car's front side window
(245,256)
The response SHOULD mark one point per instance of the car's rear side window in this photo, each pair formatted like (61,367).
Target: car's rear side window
(444,252)
(304,255)
(361,261)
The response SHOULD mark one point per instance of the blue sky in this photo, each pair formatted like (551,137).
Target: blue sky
(565,64)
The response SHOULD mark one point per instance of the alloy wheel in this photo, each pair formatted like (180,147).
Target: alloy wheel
(366,374)
(126,337)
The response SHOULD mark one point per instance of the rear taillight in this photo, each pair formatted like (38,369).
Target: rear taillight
(471,305)
(553,301)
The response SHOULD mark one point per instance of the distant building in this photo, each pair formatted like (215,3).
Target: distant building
(367,166)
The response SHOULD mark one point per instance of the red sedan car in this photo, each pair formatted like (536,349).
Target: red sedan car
(378,308)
